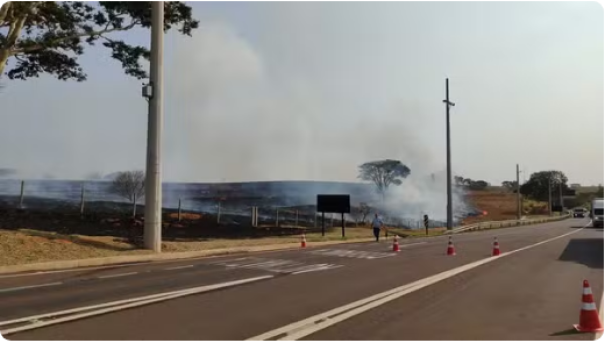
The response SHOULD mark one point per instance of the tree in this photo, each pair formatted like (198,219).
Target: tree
(478,185)
(48,37)
(364,210)
(536,187)
(129,185)
(383,174)
(459,180)
(510,186)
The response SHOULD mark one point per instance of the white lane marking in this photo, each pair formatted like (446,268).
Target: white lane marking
(274,265)
(317,268)
(122,304)
(321,321)
(5,290)
(116,275)
(352,253)
(70,270)
(180,267)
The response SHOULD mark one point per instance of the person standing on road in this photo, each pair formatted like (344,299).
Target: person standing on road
(376,225)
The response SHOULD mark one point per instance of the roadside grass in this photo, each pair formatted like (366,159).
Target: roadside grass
(31,246)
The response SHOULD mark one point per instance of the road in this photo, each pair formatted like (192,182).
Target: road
(360,291)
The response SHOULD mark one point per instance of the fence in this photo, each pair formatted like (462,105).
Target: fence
(95,197)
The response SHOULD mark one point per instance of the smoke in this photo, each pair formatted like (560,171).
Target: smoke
(230,120)
(231,115)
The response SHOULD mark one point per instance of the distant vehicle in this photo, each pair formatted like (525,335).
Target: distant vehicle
(579,213)
(596,213)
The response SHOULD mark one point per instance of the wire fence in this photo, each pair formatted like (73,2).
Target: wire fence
(180,203)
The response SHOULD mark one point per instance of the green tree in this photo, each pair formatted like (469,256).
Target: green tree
(48,37)
(536,187)
(383,174)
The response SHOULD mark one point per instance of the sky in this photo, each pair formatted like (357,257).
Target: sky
(309,91)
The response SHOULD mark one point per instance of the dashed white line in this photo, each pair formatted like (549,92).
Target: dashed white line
(179,267)
(29,287)
(116,275)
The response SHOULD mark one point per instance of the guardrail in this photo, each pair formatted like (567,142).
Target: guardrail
(507,223)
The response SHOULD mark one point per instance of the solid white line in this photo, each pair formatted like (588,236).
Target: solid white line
(29,287)
(128,304)
(70,270)
(321,321)
(180,267)
(116,275)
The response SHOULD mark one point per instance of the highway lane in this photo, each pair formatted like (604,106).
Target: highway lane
(256,308)
(58,292)
(534,295)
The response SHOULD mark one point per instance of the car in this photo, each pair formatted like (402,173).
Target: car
(579,213)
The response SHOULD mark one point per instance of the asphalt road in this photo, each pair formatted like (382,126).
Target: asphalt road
(532,294)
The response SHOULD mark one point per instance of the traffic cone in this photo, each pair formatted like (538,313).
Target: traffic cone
(589,316)
(303,241)
(496,250)
(396,244)
(451,251)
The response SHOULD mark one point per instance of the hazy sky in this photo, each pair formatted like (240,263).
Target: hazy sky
(311,90)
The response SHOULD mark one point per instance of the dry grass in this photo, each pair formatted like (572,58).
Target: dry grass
(335,234)
(30,246)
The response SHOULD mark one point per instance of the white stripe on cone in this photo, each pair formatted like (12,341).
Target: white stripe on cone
(589,307)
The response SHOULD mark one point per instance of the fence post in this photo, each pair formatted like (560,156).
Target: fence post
(296,218)
(277,217)
(218,214)
(179,213)
(256,216)
(82,201)
(22,193)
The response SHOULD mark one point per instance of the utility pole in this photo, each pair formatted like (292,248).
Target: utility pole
(549,196)
(561,195)
(153,180)
(518,195)
(448,104)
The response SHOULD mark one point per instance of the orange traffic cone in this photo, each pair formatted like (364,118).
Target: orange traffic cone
(451,251)
(496,250)
(396,243)
(303,241)
(589,316)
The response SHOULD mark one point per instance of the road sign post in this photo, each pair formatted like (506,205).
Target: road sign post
(333,203)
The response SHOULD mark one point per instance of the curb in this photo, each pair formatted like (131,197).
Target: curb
(152,257)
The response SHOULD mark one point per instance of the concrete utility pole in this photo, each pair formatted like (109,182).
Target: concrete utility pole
(153,179)
(448,104)
(518,195)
